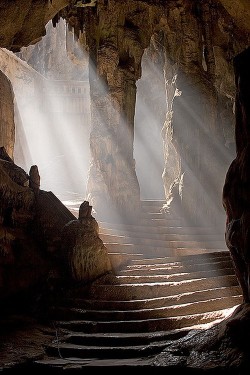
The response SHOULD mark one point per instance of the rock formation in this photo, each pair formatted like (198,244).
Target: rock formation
(87,257)
(7,125)
(235,193)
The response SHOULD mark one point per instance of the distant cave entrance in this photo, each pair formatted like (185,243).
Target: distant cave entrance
(52,114)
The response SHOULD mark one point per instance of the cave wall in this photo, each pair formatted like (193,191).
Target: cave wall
(236,188)
(199,41)
(23,22)
(7,125)
(116,35)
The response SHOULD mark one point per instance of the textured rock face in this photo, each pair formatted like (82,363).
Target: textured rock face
(24,21)
(86,256)
(7,125)
(124,31)
(58,56)
(17,255)
(197,42)
(236,188)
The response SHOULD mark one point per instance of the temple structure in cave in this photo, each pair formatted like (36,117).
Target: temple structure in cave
(139,259)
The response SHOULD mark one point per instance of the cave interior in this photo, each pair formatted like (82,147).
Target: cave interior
(124,198)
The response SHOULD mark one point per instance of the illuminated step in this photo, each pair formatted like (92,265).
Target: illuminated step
(104,226)
(160,277)
(154,302)
(180,242)
(69,350)
(170,248)
(148,325)
(150,252)
(161,289)
(195,258)
(173,268)
(108,234)
(139,314)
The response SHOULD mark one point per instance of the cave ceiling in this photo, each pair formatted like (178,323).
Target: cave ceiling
(23,21)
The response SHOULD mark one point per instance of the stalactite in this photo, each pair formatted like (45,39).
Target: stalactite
(206,24)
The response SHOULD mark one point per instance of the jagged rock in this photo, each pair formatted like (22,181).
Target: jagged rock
(7,125)
(86,254)
(217,350)
(236,189)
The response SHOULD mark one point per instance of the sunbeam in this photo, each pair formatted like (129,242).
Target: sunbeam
(52,112)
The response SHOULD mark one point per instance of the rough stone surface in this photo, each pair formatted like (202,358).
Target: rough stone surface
(236,188)
(7,125)
(86,254)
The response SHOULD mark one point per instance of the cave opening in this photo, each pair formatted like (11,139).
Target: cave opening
(52,115)
(52,94)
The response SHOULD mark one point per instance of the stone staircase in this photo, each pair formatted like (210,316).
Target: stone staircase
(168,280)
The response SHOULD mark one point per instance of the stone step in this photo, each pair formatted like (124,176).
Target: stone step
(148,325)
(175,248)
(159,254)
(177,268)
(139,314)
(154,302)
(158,222)
(161,277)
(160,289)
(69,365)
(195,258)
(108,235)
(168,242)
(69,350)
(132,228)
(157,215)
(123,338)
(153,202)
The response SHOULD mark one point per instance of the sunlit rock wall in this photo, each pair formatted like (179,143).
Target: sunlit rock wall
(7,125)
(58,55)
(199,41)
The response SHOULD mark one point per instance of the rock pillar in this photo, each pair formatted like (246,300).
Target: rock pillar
(193,134)
(116,41)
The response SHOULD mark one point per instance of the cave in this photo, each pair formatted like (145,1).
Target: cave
(124,186)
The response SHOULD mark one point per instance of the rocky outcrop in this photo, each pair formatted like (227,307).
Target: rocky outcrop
(197,42)
(41,243)
(7,125)
(24,23)
(18,258)
(58,56)
(236,188)
(86,255)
